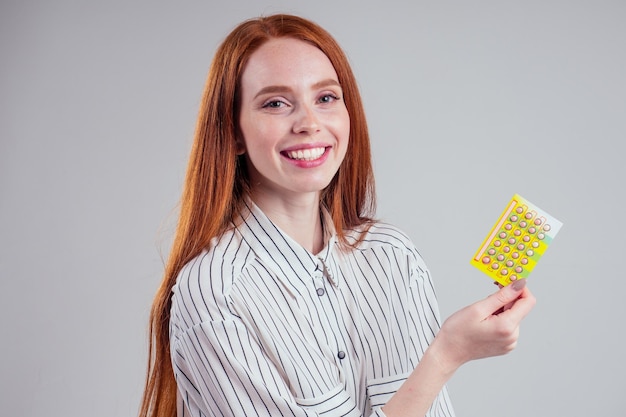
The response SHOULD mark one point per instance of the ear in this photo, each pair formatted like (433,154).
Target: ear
(240,146)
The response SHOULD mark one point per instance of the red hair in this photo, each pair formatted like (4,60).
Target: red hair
(217,181)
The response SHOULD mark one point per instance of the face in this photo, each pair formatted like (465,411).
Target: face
(293,119)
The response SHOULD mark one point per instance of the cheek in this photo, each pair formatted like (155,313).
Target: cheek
(251,135)
(259,131)
(259,143)
(344,131)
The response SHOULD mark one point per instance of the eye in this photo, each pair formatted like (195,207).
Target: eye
(274,104)
(328,98)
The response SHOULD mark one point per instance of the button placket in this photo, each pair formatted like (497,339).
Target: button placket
(318,282)
(321,279)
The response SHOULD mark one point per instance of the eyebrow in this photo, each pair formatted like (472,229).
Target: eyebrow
(273,89)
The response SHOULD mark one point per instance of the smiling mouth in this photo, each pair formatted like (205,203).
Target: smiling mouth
(306,154)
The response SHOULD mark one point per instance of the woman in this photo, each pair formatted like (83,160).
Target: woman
(281,295)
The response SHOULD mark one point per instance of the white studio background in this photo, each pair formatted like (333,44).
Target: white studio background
(468,103)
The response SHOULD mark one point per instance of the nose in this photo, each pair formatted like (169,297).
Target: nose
(306,121)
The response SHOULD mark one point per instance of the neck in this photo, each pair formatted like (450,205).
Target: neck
(298,217)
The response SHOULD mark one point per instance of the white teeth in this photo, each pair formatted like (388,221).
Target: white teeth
(306,154)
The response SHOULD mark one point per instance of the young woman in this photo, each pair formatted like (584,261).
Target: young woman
(282,296)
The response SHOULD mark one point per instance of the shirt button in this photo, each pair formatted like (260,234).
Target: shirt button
(341,354)
(320,291)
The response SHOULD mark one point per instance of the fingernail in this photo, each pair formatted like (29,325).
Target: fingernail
(519,284)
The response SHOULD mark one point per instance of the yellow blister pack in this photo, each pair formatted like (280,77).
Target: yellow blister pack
(516,242)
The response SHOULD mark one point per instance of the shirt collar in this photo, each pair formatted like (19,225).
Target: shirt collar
(289,260)
(326,255)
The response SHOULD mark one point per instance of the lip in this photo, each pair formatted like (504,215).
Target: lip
(303,146)
(306,163)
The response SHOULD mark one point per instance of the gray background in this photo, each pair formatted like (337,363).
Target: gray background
(468,103)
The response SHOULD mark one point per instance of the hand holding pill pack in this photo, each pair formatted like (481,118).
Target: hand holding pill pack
(516,242)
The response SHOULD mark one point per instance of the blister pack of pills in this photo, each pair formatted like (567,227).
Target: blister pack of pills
(516,242)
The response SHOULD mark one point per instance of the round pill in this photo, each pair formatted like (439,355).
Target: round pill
(519,210)
(486,260)
(497,243)
(540,236)
(520,246)
(537,222)
(500,257)
(547,227)
(513,277)
(504,271)
(513,218)
(506,249)
(512,241)
(530,252)
(519,269)
(524,261)
(531,230)
(502,235)
(523,224)
(535,245)
(529,216)
(517,232)
(526,238)
(508,226)
(515,255)
(491,251)
(509,263)
(495,266)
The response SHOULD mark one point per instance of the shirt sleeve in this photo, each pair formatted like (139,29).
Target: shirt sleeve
(427,311)
(413,306)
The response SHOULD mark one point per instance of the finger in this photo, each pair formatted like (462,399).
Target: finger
(521,306)
(502,297)
(506,307)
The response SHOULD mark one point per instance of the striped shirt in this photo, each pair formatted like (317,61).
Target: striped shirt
(262,327)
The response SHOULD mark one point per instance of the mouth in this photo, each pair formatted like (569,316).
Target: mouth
(305,154)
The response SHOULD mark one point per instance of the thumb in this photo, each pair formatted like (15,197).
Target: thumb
(504,296)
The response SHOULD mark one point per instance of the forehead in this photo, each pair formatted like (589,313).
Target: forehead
(287,61)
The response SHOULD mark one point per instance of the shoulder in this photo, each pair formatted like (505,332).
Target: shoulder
(377,234)
(384,237)
(226,255)
(203,285)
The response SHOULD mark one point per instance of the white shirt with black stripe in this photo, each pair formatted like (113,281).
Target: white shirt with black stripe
(262,327)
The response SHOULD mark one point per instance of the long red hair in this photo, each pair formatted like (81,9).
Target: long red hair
(217,181)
